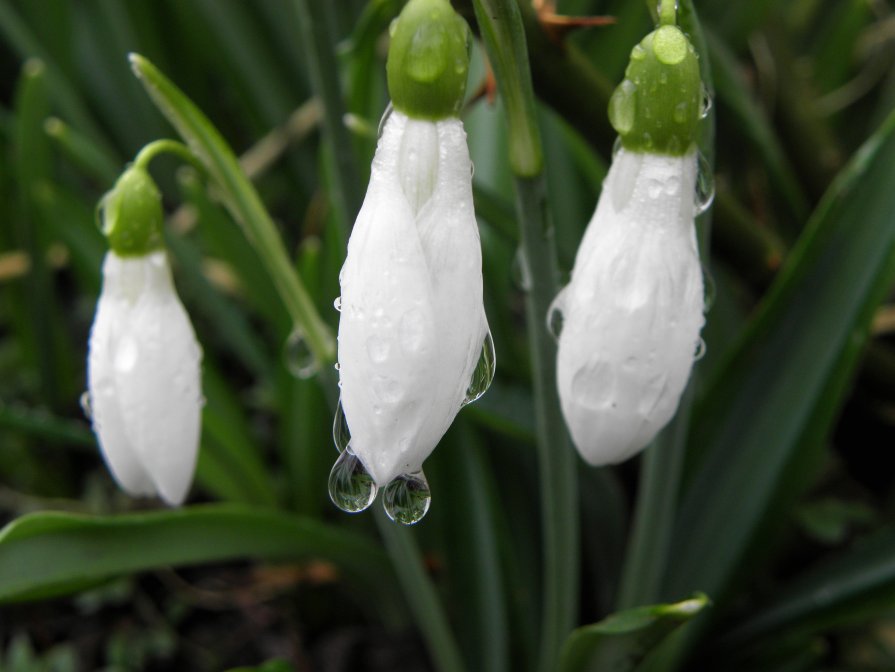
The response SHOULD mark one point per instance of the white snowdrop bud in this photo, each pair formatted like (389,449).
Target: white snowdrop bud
(414,345)
(633,310)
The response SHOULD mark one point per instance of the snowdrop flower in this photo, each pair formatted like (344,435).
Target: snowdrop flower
(144,361)
(632,313)
(414,345)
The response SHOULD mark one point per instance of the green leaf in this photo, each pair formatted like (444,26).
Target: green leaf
(853,586)
(44,555)
(621,641)
(768,410)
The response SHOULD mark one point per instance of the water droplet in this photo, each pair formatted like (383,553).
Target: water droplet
(412,334)
(407,498)
(483,373)
(520,270)
(680,112)
(616,146)
(351,488)
(699,353)
(663,77)
(704,193)
(555,316)
(299,359)
(471,170)
(126,355)
(85,405)
(393,28)
(654,189)
(385,115)
(387,390)
(647,140)
(705,106)
(672,185)
(377,349)
(337,304)
(593,385)
(623,107)
(638,53)
(341,434)
(709,289)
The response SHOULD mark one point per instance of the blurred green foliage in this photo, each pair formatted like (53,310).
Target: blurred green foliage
(770,494)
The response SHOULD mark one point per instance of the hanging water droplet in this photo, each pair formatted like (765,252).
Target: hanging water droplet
(407,498)
(300,361)
(337,304)
(351,488)
(385,115)
(705,105)
(85,405)
(700,350)
(483,373)
(704,193)
(709,290)
(555,316)
(638,53)
(471,170)
(341,434)
(623,107)
(680,112)
(520,270)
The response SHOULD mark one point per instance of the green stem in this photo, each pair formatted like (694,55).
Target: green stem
(668,13)
(657,493)
(502,29)
(346,196)
(156,147)
(420,593)
(242,201)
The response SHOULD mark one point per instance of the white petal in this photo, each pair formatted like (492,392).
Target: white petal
(154,361)
(633,310)
(411,313)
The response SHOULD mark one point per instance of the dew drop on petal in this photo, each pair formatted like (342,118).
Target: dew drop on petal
(341,434)
(680,112)
(412,334)
(623,107)
(389,108)
(704,193)
(377,349)
(593,385)
(471,170)
(126,355)
(705,105)
(483,373)
(297,355)
(555,316)
(337,304)
(351,488)
(699,353)
(520,270)
(85,405)
(407,498)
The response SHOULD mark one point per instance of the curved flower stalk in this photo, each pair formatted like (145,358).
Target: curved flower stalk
(414,345)
(633,310)
(144,361)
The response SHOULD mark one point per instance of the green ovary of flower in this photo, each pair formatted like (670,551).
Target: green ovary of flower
(428,60)
(657,107)
(132,215)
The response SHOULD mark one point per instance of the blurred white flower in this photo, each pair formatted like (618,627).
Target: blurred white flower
(633,310)
(412,325)
(144,378)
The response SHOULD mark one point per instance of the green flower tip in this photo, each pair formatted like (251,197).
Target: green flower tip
(132,215)
(658,105)
(428,60)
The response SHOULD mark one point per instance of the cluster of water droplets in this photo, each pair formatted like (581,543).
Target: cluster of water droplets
(297,355)
(407,497)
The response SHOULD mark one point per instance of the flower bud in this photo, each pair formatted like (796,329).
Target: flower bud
(428,60)
(132,214)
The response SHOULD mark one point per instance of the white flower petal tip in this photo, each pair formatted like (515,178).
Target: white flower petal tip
(144,379)
(414,345)
(633,311)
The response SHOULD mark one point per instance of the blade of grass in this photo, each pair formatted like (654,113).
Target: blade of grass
(773,402)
